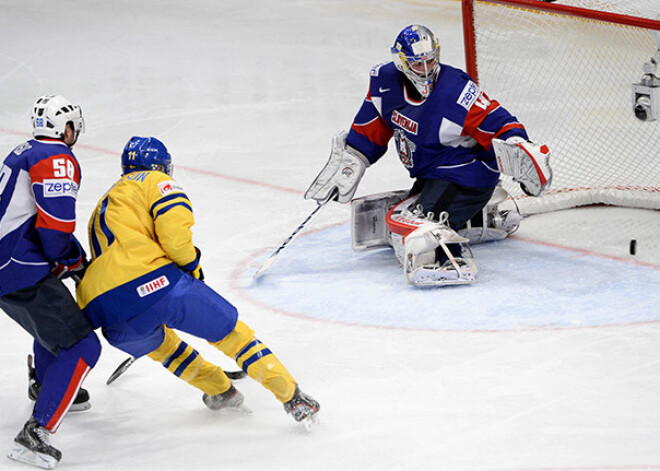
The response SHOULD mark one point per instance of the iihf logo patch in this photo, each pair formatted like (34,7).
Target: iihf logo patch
(39,122)
(152,286)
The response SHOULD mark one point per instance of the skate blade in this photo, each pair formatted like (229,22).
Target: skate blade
(242,409)
(310,422)
(24,455)
(80,407)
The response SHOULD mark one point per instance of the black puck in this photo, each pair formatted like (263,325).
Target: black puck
(633,246)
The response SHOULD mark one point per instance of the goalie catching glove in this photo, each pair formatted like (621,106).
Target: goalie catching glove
(526,162)
(341,174)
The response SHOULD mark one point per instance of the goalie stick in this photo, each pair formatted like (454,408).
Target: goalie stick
(271,260)
(121,369)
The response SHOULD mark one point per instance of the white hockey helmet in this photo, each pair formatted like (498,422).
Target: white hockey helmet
(50,115)
(416,54)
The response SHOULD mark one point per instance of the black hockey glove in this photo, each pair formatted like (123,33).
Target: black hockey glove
(74,265)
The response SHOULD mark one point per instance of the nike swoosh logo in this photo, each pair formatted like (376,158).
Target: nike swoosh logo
(383,90)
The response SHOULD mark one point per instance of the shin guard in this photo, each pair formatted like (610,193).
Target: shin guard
(257,361)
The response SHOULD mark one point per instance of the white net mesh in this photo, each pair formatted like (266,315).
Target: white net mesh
(640,8)
(568,80)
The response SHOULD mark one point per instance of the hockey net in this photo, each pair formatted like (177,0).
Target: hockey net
(566,71)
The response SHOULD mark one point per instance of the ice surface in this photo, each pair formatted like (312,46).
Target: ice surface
(550,361)
(521,285)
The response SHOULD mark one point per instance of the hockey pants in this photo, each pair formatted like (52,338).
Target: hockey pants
(193,307)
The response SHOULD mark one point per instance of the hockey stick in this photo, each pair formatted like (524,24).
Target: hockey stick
(121,369)
(269,263)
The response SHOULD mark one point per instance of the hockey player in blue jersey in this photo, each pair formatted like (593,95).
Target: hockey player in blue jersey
(39,182)
(454,141)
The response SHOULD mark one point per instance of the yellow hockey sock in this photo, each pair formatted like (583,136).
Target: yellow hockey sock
(257,361)
(186,363)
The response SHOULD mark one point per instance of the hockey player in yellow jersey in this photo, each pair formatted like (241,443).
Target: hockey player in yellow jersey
(145,280)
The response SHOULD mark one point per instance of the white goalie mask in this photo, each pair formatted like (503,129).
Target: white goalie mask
(416,54)
(50,115)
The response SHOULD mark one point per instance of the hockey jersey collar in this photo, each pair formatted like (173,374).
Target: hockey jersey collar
(49,140)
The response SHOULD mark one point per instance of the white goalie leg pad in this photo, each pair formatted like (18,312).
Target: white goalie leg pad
(420,266)
(496,224)
(368,225)
(341,174)
(526,162)
(396,241)
(499,225)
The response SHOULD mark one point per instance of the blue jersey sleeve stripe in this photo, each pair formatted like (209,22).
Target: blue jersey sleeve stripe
(165,199)
(104,225)
(256,357)
(184,364)
(170,206)
(96,245)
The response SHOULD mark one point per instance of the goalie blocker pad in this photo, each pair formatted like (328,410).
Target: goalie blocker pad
(341,174)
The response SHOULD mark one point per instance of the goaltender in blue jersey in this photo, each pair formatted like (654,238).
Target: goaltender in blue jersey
(453,139)
(145,281)
(446,136)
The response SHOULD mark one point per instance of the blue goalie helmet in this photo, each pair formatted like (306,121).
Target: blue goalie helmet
(416,54)
(145,153)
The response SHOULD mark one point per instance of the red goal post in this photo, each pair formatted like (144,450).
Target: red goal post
(566,71)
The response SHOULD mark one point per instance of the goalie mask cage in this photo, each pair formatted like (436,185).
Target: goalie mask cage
(566,71)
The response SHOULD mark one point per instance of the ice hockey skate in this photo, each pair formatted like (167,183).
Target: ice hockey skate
(32,446)
(303,408)
(232,398)
(80,403)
